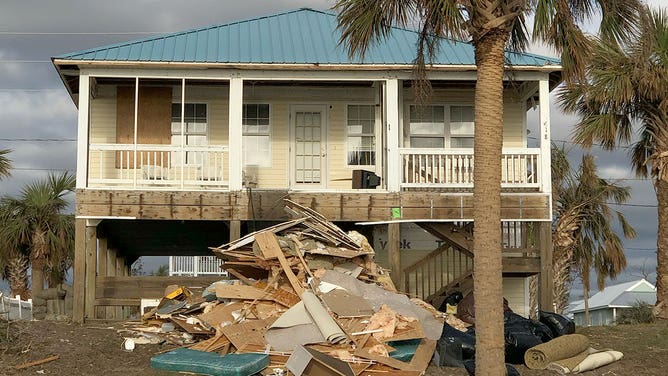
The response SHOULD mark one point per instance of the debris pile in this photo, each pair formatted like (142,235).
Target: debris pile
(308,298)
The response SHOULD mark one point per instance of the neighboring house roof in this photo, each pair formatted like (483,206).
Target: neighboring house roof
(303,36)
(621,295)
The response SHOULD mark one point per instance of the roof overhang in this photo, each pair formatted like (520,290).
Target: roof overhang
(69,69)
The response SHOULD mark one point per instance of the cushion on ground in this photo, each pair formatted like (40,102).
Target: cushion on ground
(208,363)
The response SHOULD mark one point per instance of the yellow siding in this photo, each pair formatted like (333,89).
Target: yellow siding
(514,290)
(277,175)
(513,113)
(103,131)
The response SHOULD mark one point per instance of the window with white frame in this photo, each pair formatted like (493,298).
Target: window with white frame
(361,135)
(194,131)
(461,126)
(427,126)
(256,134)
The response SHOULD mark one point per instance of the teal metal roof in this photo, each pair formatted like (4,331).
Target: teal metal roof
(303,36)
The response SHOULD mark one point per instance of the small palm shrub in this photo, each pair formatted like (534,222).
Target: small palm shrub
(640,313)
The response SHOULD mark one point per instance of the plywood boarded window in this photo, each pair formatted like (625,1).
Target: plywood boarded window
(154,116)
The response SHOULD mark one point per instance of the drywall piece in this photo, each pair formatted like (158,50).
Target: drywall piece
(221,313)
(345,304)
(247,332)
(242,292)
(377,296)
(349,268)
(310,362)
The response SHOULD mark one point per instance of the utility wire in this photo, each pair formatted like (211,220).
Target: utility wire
(38,139)
(41,169)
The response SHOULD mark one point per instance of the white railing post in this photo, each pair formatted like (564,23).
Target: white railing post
(195,266)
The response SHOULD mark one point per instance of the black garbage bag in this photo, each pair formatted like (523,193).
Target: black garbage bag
(521,334)
(516,322)
(469,365)
(454,347)
(558,324)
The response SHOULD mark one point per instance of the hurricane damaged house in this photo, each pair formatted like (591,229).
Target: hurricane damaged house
(189,140)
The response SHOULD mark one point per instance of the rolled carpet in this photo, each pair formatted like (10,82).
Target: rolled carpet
(572,348)
(592,361)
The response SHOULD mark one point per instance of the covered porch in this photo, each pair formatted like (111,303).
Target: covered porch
(309,131)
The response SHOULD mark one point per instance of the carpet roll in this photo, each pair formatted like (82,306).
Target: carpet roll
(564,347)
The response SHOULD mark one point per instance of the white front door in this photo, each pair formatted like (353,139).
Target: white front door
(309,151)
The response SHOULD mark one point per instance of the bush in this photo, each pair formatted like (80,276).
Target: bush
(640,313)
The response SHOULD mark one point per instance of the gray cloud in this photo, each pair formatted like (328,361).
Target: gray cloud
(51,114)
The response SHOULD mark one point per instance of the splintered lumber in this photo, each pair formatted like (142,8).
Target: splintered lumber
(37,362)
(271,249)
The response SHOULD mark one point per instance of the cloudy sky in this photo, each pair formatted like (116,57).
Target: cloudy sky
(39,118)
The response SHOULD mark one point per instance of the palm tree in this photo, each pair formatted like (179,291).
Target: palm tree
(5,163)
(34,222)
(587,237)
(491,25)
(625,93)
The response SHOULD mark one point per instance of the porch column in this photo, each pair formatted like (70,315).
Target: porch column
(101,311)
(91,268)
(79,282)
(545,145)
(392,104)
(82,131)
(546,282)
(235,138)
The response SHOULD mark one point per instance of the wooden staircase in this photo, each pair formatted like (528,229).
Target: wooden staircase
(449,267)
(445,269)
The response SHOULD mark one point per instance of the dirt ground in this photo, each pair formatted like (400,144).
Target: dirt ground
(96,349)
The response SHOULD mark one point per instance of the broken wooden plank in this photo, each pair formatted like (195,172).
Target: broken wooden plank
(37,362)
(269,245)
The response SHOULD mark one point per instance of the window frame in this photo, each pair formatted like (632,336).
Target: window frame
(447,133)
(269,134)
(374,133)
(185,127)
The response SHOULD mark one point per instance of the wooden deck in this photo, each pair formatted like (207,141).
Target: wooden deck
(267,205)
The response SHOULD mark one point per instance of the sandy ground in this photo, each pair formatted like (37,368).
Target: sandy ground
(96,349)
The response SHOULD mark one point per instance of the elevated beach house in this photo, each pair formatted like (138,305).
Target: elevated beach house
(188,140)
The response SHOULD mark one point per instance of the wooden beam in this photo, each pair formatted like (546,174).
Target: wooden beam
(91,270)
(101,312)
(132,287)
(336,206)
(113,313)
(235,230)
(79,279)
(546,282)
(393,241)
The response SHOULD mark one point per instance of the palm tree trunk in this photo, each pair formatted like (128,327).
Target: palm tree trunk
(487,266)
(18,277)
(38,260)
(661,308)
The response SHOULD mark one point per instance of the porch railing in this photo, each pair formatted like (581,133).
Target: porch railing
(195,266)
(453,168)
(150,165)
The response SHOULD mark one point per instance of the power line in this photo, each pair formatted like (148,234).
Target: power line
(14,90)
(24,61)
(39,139)
(41,169)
